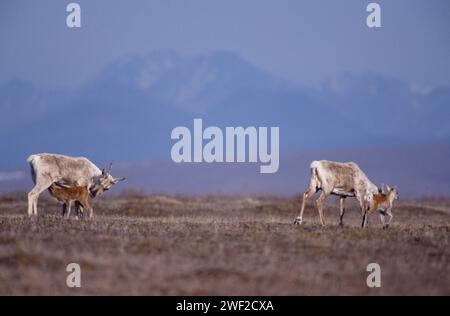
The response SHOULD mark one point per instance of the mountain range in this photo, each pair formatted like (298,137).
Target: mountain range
(128,110)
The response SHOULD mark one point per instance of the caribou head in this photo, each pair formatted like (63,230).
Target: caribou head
(104,182)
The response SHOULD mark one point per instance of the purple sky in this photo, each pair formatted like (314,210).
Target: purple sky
(304,41)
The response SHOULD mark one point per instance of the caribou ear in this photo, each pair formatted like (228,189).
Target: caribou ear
(117,180)
(388,187)
(103,171)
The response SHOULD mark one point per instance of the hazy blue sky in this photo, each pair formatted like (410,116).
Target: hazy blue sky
(304,41)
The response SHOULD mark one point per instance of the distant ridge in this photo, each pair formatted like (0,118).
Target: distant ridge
(127,111)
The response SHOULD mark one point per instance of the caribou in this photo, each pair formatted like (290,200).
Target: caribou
(68,195)
(383,203)
(69,172)
(344,179)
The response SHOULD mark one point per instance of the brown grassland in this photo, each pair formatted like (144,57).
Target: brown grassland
(159,245)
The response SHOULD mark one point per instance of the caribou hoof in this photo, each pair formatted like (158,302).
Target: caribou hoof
(298,221)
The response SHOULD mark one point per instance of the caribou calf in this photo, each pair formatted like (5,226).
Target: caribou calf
(67,195)
(384,204)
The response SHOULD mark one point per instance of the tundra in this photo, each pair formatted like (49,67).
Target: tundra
(383,203)
(47,169)
(344,179)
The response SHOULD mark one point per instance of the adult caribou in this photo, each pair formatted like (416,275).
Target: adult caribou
(344,179)
(47,169)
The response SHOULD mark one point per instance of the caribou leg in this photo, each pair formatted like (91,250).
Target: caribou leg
(320,206)
(342,211)
(33,196)
(310,192)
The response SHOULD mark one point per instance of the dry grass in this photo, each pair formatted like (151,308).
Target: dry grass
(156,245)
